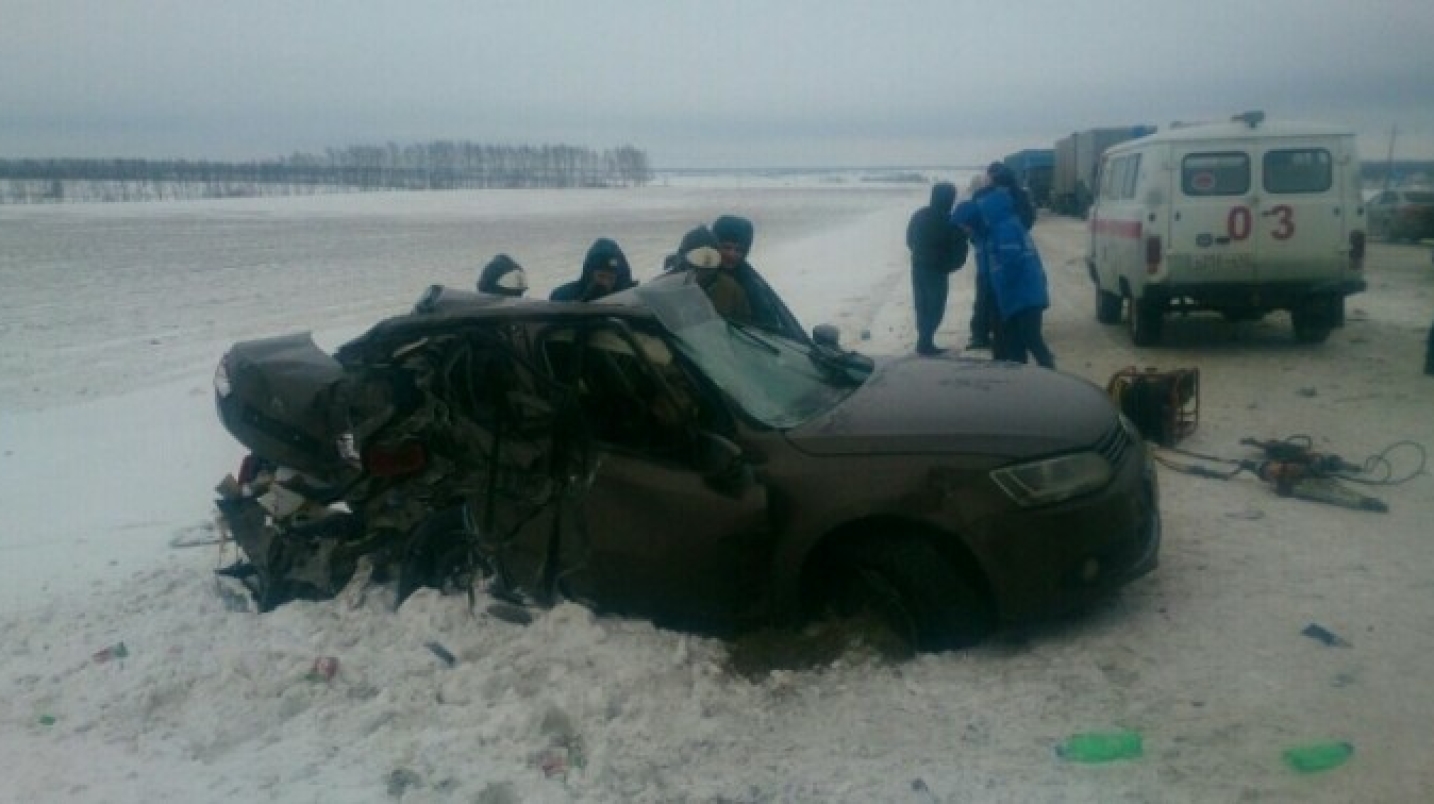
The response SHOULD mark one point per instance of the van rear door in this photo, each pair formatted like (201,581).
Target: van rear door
(1213,218)
(1300,228)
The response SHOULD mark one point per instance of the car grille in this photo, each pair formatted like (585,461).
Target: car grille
(1114,444)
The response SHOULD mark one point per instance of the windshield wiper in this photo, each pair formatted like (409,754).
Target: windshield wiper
(752,337)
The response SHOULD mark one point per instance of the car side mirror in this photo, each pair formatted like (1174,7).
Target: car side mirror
(827,335)
(720,462)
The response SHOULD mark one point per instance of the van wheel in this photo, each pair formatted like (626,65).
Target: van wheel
(1314,319)
(903,582)
(1108,306)
(1147,318)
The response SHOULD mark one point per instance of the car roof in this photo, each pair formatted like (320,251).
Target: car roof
(441,307)
(1233,130)
(441,303)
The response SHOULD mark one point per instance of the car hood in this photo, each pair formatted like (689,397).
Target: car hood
(974,407)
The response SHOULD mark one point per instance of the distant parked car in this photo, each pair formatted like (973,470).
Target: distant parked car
(643,455)
(1402,214)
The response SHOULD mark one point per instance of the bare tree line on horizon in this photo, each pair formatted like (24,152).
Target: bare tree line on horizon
(437,165)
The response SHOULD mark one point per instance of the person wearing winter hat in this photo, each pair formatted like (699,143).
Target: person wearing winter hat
(734,236)
(605,270)
(1001,175)
(984,318)
(938,249)
(734,241)
(1007,255)
(503,276)
(700,253)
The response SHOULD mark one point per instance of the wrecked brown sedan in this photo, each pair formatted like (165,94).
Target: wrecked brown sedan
(646,456)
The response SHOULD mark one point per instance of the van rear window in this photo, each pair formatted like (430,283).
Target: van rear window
(1298,170)
(1215,174)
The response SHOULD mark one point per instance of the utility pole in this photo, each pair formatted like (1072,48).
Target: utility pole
(1389,160)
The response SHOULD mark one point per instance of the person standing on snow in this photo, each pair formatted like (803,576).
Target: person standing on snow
(1018,279)
(984,317)
(503,276)
(605,270)
(938,249)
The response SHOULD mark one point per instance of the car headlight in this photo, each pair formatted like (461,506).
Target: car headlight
(1054,479)
(1130,428)
(221,377)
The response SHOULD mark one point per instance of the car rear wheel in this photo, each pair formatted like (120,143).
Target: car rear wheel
(1108,306)
(907,585)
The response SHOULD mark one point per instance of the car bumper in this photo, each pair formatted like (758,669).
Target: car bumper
(1268,296)
(1058,559)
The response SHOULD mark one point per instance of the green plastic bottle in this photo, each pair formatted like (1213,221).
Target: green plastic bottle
(1101,746)
(1316,757)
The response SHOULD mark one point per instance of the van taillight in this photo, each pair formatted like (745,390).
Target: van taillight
(1356,250)
(395,460)
(1153,253)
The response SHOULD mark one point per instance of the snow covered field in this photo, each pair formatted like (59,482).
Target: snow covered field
(111,320)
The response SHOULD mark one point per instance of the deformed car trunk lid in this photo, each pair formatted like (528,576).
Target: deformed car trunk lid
(924,406)
(281,399)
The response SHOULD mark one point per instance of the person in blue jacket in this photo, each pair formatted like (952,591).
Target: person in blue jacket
(1018,279)
(984,317)
(605,270)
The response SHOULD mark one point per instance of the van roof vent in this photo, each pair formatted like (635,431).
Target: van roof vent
(1251,119)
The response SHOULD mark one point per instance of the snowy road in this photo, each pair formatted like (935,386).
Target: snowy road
(108,446)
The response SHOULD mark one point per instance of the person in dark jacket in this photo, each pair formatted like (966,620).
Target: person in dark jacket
(984,316)
(938,249)
(1017,277)
(699,254)
(503,276)
(605,271)
(734,242)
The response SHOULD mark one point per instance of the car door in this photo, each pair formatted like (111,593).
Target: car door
(654,532)
(1380,210)
(1117,223)
(1301,226)
(1214,214)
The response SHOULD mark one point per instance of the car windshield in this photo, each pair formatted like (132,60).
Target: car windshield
(1419,197)
(773,379)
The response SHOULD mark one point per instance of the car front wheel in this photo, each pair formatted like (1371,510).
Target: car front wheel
(912,589)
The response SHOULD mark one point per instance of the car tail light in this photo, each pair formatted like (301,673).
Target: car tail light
(248,469)
(395,460)
(1356,250)
(1154,251)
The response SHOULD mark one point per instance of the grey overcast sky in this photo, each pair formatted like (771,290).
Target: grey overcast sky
(697,84)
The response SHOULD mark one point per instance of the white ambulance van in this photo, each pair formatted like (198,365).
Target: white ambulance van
(1243,217)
